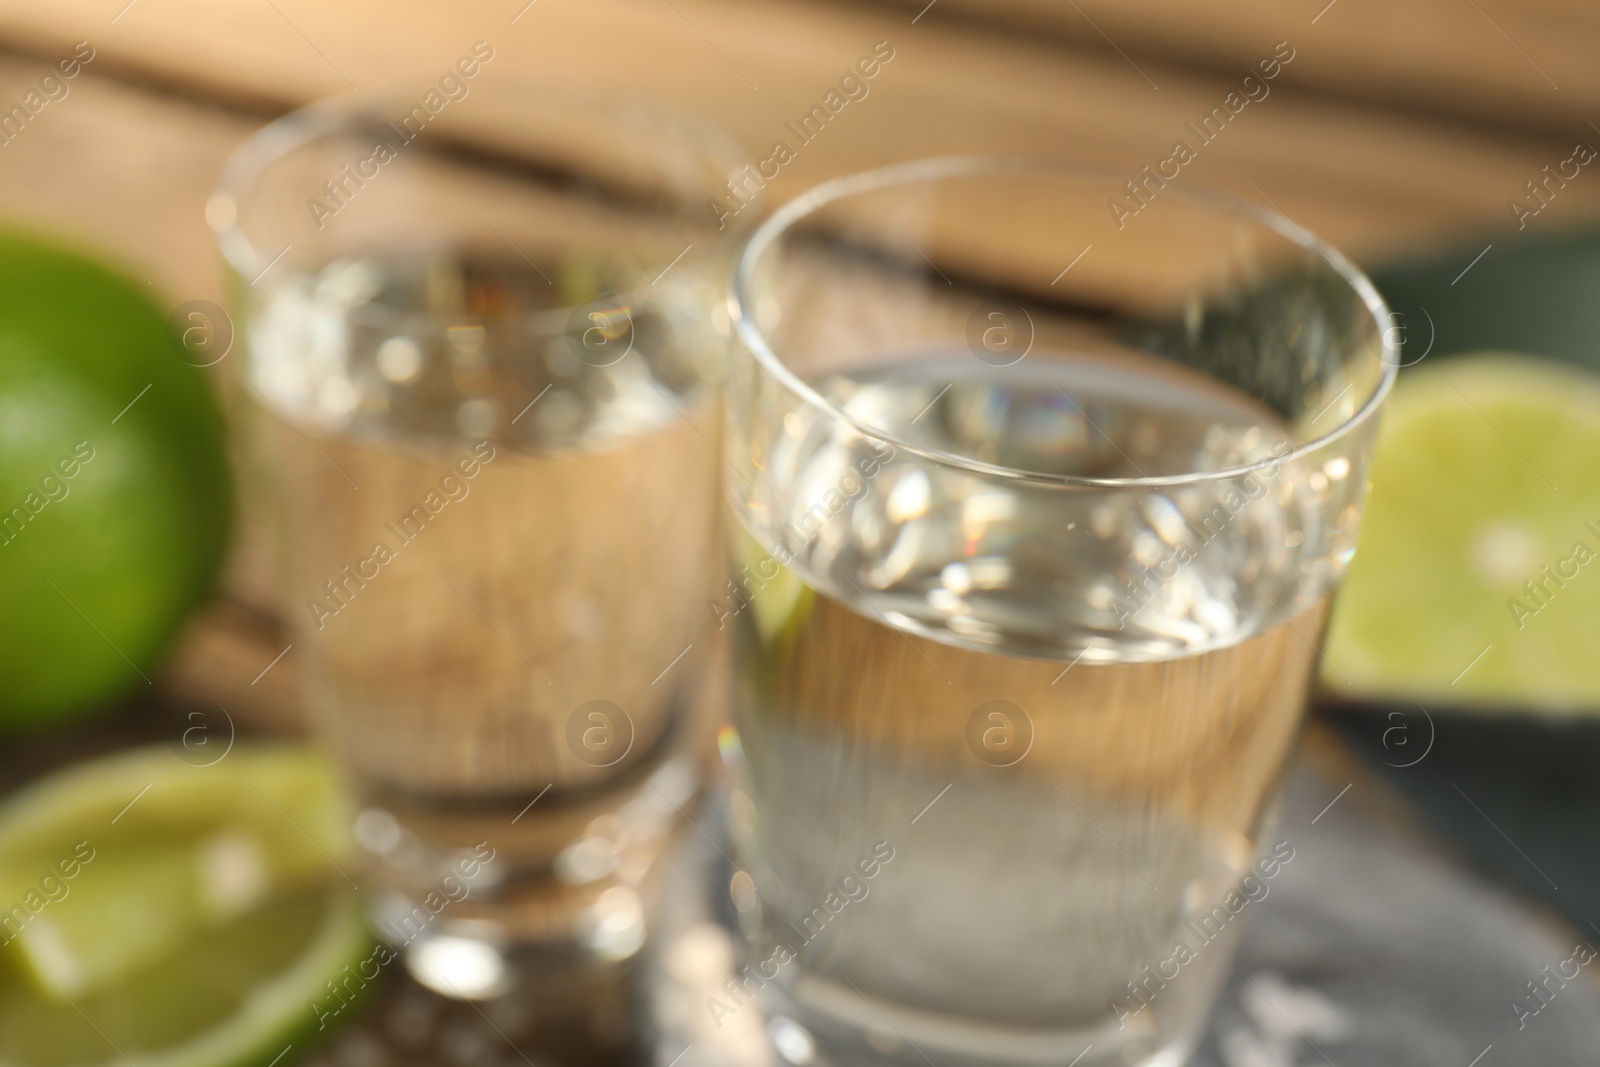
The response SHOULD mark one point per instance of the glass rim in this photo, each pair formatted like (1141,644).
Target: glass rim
(305,124)
(807,203)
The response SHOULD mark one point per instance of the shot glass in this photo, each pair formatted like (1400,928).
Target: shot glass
(1038,508)
(485,335)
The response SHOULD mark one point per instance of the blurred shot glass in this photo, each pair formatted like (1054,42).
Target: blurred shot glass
(1038,513)
(485,336)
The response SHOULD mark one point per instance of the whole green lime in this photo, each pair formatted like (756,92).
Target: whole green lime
(114,487)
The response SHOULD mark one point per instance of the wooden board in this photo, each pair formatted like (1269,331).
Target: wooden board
(1522,65)
(1369,180)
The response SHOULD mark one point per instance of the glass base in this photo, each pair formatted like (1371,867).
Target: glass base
(870,1034)
(467,894)
(477,954)
(699,1004)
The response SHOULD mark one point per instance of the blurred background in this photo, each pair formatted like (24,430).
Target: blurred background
(1446,146)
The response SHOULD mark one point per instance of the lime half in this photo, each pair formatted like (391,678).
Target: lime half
(1477,579)
(171,915)
(114,484)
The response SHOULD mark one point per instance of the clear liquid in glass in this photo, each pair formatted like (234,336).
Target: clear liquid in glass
(498,545)
(1050,734)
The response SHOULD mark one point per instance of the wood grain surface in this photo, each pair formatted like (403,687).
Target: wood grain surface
(1518,65)
(1370,180)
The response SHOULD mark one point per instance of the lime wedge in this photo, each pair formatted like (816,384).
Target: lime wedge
(1477,578)
(772,592)
(173,915)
